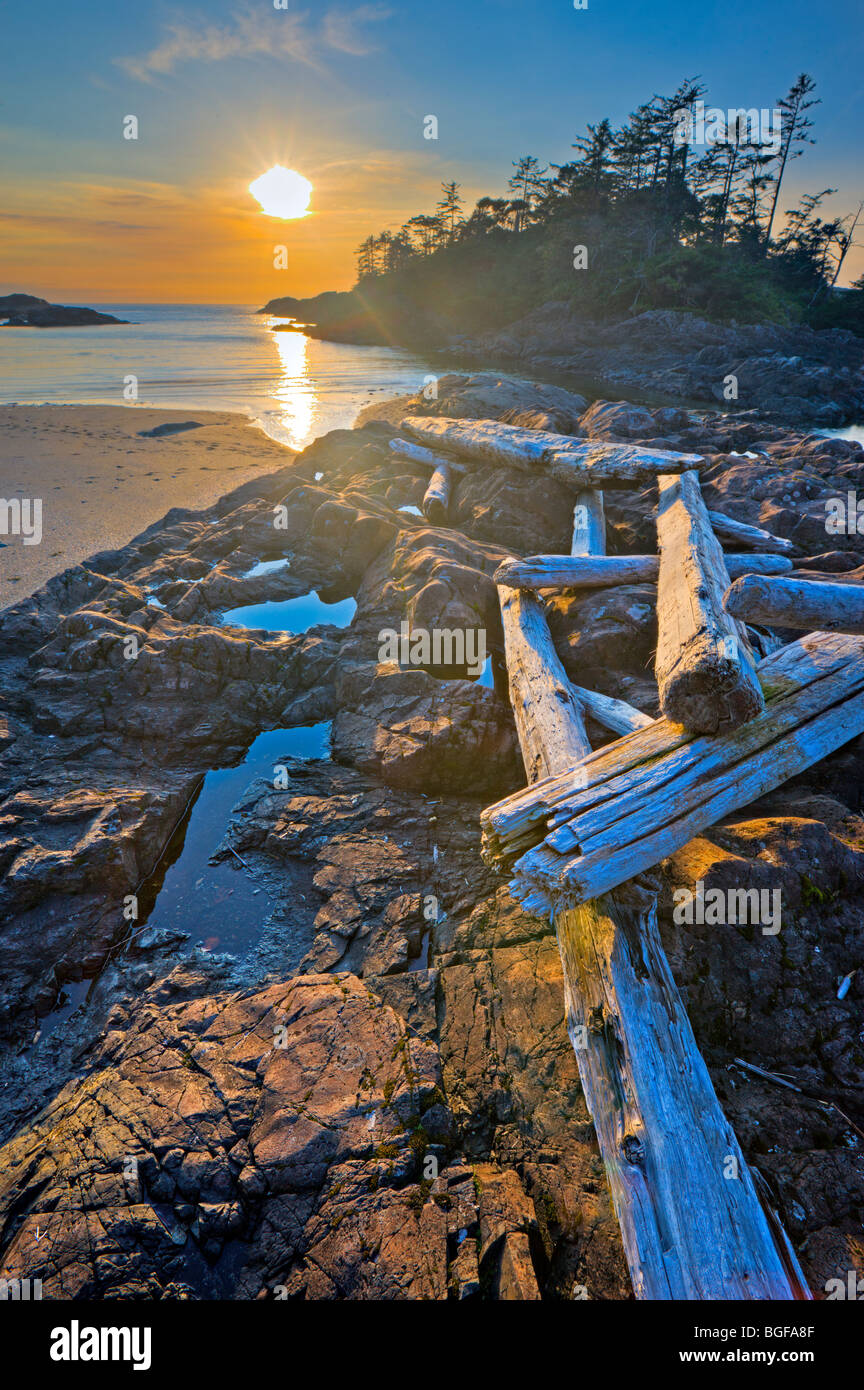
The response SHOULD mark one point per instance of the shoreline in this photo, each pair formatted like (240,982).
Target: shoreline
(102,478)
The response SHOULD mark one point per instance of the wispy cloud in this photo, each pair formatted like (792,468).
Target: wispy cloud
(253,33)
(341,28)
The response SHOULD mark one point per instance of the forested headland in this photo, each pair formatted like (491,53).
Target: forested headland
(670,211)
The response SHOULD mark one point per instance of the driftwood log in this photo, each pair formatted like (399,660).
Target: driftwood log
(589,524)
(436,499)
(706,673)
(576,463)
(688,1231)
(742,534)
(416,453)
(615,715)
(621,810)
(584,571)
(540,691)
(587,545)
(803,604)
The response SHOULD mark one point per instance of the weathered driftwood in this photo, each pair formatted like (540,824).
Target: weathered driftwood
(706,674)
(574,462)
(804,604)
(583,571)
(689,1232)
(623,809)
(743,534)
(540,692)
(416,453)
(612,714)
(589,524)
(436,499)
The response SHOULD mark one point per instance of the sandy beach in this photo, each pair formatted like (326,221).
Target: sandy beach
(102,477)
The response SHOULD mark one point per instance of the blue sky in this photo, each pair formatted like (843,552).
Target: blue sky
(339,92)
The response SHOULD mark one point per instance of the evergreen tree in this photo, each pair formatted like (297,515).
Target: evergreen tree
(795,134)
(449,209)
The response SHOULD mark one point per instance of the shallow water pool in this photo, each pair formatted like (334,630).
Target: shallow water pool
(294,615)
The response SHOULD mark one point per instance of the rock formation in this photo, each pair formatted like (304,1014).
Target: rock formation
(28,311)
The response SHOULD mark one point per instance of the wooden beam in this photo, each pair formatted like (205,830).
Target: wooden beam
(742,534)
(584,571)
(647,1089)
(804,604)
(705,670)
(576,463)
(631,804)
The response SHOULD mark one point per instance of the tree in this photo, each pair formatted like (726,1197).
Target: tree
(424,232)
(529,184)
(365,255)
(596,149)
(728,163)
(796,125)
(449,209)
(489,214)
(845,243)
(748,204)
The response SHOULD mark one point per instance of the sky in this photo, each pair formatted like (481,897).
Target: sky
(339,92)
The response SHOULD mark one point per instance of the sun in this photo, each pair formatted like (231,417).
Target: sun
(282,192)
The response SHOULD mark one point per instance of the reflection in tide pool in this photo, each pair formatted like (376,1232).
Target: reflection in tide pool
(487,675)
(294,615)
(265,567)
(218,905)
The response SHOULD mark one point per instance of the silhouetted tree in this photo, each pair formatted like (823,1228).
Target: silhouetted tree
(795,133)
(449,209)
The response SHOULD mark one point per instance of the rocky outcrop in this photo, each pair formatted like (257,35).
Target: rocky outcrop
(374,1094)
(795,375)
(789,374)
(27,311)
(485,396)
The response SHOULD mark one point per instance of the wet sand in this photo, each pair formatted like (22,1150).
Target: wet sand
(102,480)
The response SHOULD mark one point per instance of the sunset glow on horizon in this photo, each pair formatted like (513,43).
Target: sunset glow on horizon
(97,211)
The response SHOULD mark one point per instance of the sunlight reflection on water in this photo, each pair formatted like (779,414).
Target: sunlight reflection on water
(206,357)
(295,390)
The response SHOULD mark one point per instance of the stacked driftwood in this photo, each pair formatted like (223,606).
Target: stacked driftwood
(732,728)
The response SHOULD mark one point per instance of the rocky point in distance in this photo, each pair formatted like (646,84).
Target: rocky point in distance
(28,311)
(787,374)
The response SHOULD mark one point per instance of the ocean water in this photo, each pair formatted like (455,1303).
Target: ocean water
(214,357)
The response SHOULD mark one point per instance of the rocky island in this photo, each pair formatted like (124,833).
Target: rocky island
(28,311)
